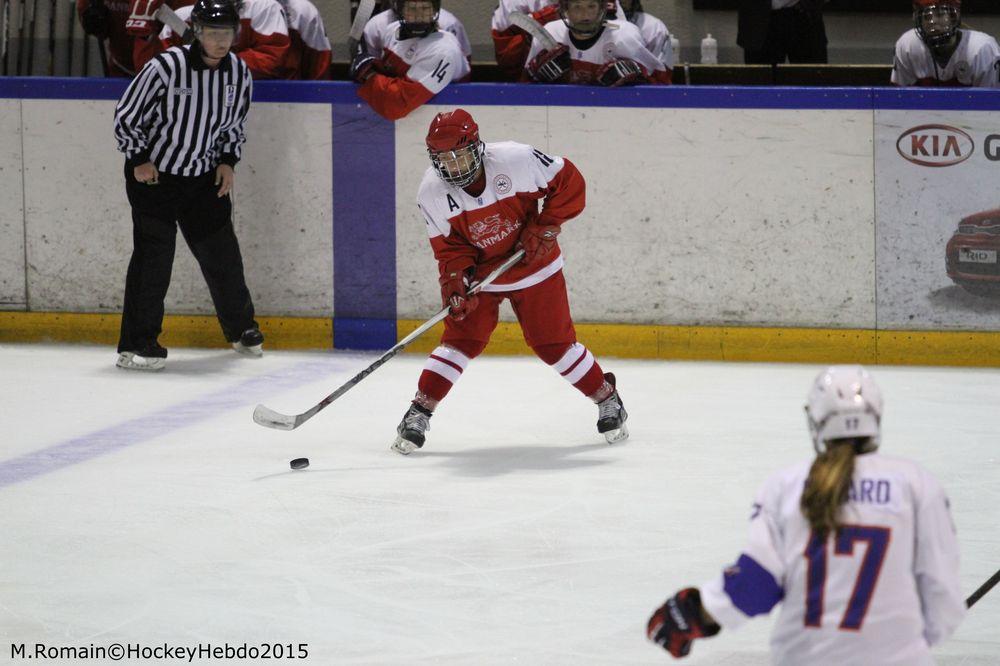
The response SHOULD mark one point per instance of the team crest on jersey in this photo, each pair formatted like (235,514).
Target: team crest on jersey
(490,231)
(230,95)
(962,69)
(502,184)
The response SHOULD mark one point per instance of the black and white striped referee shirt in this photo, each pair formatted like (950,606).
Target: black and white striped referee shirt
(182,116)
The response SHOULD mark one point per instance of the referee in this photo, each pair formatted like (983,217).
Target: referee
(180,125)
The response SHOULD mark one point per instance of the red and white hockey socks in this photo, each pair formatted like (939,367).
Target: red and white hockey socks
(579,367)
(443,368)
(446,364)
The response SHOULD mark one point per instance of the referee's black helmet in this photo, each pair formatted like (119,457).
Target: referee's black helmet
(215,14)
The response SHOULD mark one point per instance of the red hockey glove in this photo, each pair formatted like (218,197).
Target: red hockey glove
(621,73)
(142,22)
(547,14)
(538,240)
(550,66)
(676,624)
(454,294)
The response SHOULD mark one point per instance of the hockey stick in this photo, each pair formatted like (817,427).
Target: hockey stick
(22,7)
(365,10)
(269,418)
(52,37)
(361,18)
(166,16)
(100,44)
(31,37)
(535,29)
(983,589)
(103,54)
(71,39)
(5,35)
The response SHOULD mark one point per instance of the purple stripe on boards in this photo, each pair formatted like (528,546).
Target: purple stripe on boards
(364,228)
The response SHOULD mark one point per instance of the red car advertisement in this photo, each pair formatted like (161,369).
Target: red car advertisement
(971,254)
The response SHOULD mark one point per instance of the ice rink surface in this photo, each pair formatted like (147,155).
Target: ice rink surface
(150,509)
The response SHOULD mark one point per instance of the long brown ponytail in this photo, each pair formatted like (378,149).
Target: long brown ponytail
(827,485)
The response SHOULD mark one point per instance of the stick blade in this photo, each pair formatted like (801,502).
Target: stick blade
(364,12)
(269,418)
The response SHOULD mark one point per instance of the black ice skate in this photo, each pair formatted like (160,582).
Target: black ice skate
(151,358)
(251,343)
(410,431)
(611,415)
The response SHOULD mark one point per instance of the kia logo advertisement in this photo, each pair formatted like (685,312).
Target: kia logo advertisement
(935,145)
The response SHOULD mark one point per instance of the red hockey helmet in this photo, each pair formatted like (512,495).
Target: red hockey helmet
(937,21)
(454,147)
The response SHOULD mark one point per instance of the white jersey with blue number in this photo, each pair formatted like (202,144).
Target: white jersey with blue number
(881,592)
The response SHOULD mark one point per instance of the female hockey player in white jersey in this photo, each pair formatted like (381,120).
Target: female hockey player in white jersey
(858,547)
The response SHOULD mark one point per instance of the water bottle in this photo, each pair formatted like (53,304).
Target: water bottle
(709,51)
(675,47)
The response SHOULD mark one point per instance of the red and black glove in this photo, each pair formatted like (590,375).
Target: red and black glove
(538,240)
(363,64)
(455,293)
(621,73)
(676,624)
(547,14)
(550,66)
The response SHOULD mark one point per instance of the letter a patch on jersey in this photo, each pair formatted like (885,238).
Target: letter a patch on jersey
(452,204)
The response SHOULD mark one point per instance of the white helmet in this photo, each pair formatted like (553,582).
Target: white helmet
(844,402)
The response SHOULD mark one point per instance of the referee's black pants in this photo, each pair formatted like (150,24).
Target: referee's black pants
(205,221)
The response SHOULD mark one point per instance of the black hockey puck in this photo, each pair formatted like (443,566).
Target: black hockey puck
(299,463)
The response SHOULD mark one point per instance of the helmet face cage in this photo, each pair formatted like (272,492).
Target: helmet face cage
(587,28)
(937,23)
(459,167)
(417,28)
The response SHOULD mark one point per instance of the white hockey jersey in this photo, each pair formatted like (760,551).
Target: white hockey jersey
(619,40)
(881,592)
(310,46)
(974,63)
(375,29)
(655,36)
(483,230)
(501,15)
(411,71)
(433,61)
